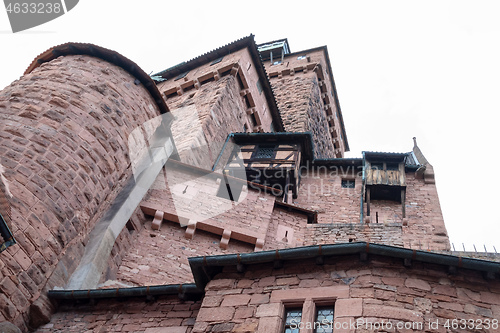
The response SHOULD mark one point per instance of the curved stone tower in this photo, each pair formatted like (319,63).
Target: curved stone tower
(64,131)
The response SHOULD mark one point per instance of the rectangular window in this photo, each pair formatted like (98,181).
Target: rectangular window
(324,319)
(348,183)
(392,166)
(377,166)
(293,317)
(265,152)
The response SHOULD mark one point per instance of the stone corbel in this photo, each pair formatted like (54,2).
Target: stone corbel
(226,236)
(158,219)
(429,177)
(259,245)
(235,69)
(190,229)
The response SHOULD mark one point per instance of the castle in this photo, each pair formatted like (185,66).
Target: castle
(214,196)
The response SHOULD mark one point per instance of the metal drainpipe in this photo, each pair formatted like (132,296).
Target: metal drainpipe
(230,135)
(361,213)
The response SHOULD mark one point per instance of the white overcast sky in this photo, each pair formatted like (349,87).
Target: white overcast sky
(429,69)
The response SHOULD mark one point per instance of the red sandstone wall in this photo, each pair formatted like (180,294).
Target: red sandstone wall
(63,141)
(210,109)
(164,315)
(426,228)
(381,290)
(287,229)
(321,189)
(304,95)
(160,257)
(126,240)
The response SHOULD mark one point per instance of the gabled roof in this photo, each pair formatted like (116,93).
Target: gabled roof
(245,42)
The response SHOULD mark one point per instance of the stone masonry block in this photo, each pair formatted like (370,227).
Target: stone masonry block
(351,307)
(384,311)
(235,300)
(269,324)
(178,329)
(268,310)
(220,284)
(215,314)
(417,284)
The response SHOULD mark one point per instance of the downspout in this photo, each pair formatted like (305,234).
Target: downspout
(361,213)
(230,135)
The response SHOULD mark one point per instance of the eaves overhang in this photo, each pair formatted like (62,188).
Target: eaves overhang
(205,268)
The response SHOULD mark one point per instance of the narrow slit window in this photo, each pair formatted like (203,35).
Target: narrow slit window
(253,119)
